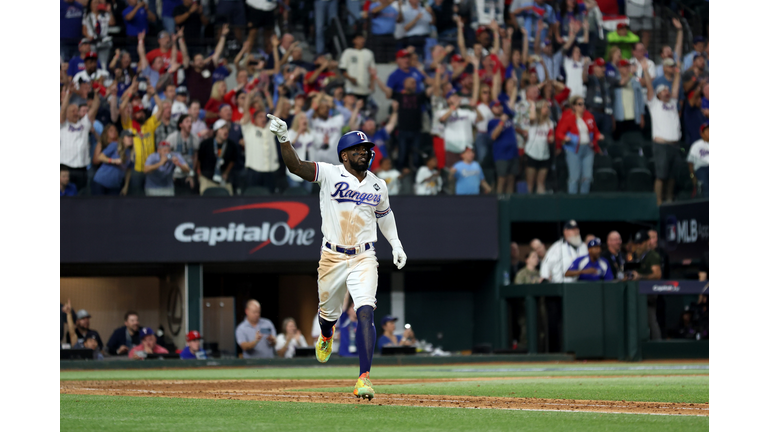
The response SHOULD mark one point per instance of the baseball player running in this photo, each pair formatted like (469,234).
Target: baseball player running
(352,202)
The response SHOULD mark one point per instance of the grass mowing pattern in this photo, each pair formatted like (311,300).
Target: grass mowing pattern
(644,389)
(351,372)
(111,413)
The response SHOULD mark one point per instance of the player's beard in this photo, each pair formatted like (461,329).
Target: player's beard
(360,166)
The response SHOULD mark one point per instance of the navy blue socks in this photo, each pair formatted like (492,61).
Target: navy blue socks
(326,327)
(365,337)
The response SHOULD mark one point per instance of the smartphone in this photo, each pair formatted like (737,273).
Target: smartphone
(265,331)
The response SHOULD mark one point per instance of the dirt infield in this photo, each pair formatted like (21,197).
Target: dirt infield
(280,390)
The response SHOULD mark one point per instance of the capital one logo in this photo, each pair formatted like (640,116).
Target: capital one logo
(264,233)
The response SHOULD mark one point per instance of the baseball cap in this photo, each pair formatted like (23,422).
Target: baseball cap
(386,319)
(164,143)
(193,335)
(641,236)
(595,242)
(137,108)
(91,56)
(495,104)
(623,63)
(695,56)
(481,29)
(220,123)
(457,58)
(91,335)
(163,34)
(126,132)
(668,62)
(599,62)
(546,42)
(82,313)
(571,224)
(181,90)
(704,126)
(698,39)
(450,93)
(145,331)
(660,88)
(84,41)
(403,53)
(622,26)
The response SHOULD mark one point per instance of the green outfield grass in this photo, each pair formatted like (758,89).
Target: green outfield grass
(109,413)
(387,372)
(692,389)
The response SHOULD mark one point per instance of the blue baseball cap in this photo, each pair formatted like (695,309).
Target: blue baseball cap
(145,331)
(386,319)
(698,39)
(595,242)
(450,93)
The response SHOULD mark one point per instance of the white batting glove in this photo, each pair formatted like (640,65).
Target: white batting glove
(279,128)
(398,254)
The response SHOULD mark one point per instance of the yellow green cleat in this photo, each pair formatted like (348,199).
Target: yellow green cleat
(364,388)
(324,346)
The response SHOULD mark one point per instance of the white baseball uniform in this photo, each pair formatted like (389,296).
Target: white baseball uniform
(350,210)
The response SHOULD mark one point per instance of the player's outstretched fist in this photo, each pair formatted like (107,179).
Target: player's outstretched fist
(278,127)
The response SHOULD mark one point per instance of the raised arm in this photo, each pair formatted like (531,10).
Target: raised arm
(413,22)
(496,86)
(460,37)
(245,49)
(648,83)
(114,111)
(496,38)
(355,113)
(524,56)
(679,40)
(295,165)
(94,107)
(475,81)
(65,104)
(113,62)
(143,63)
(537,37)
(392,123)
(183,48)
(675,90)
(220,45)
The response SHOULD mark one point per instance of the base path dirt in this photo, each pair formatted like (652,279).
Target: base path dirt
(281,390)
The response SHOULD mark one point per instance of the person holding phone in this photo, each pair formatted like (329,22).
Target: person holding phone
(256,335)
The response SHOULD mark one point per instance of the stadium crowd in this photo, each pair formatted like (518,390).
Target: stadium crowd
(526,96)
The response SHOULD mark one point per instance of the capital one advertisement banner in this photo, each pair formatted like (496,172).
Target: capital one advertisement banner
(685,230)
(266,229)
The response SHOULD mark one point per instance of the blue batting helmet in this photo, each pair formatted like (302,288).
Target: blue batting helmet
(351,139)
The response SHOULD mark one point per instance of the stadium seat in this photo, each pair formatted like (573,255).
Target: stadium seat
(651,166)
(295,191)
(639,180)
(216,191)
(648,149)
(256,191)
(632,161)
(603,161)
(616,150)
(633,140)
(605,180)
(618,166)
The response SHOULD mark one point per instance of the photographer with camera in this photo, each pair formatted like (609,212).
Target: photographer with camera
(256,335)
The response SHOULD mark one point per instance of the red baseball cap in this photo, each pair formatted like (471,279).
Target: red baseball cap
(163,144)
(622,26)
(481,29)
(457,58)
(193,335)
(137,108)
(495,104)
(704,126)
(623,63)
(91,55)
(403,53)
(599,62)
